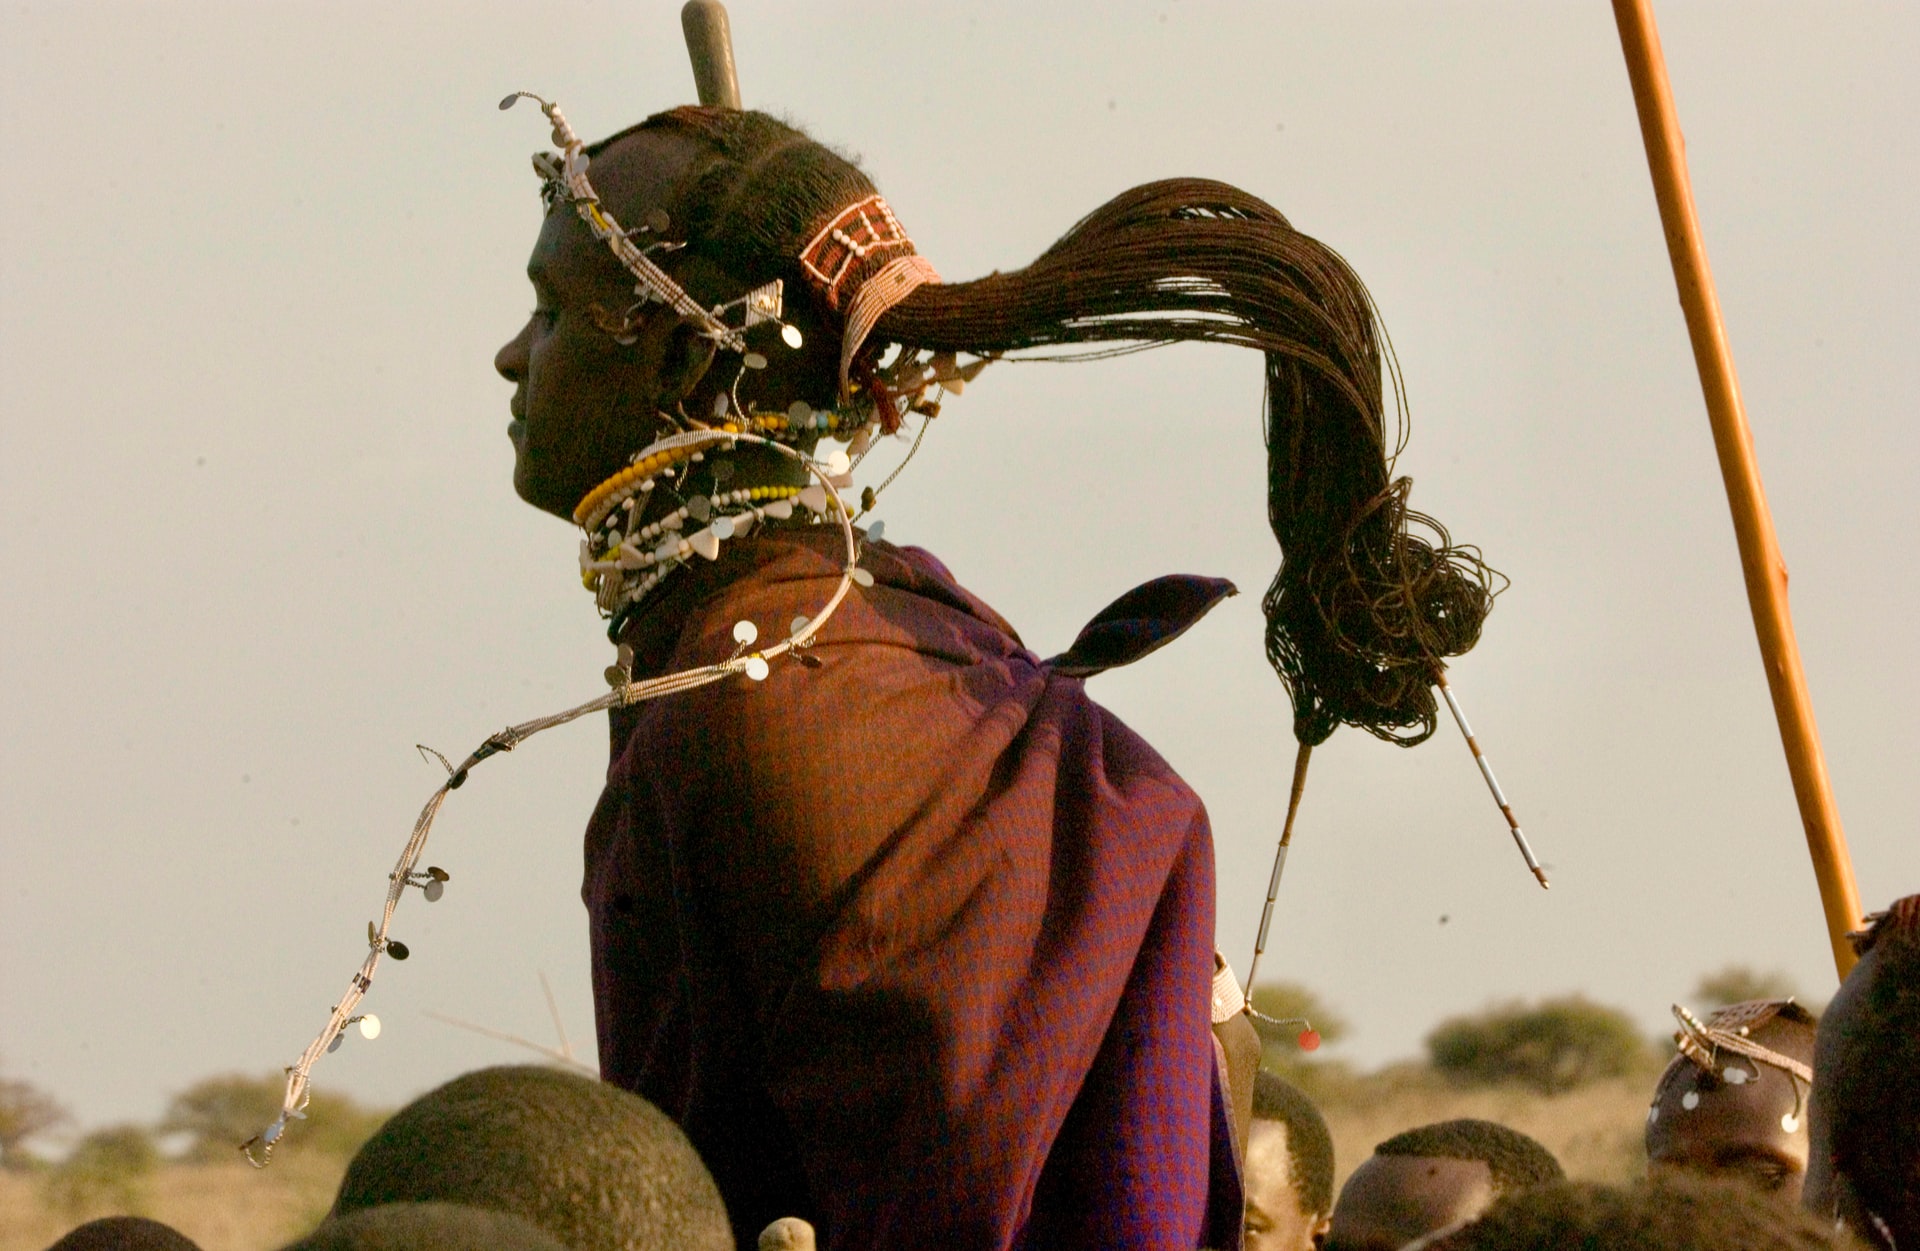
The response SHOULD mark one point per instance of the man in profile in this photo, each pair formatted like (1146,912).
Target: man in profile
(1288,1177)
(1733,1102)
(1434,1178)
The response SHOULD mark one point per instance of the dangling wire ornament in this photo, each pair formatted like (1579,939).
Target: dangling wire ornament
(1300,759)
(564,174)
(1493,784)
(754,664)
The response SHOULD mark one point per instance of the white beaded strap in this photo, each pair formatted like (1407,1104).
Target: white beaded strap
(890,284)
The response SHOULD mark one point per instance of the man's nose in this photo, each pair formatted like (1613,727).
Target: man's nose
(511,360)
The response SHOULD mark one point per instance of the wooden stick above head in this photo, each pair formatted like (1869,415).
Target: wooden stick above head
(710,45)
(1760,560)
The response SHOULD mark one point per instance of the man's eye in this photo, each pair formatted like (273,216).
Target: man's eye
(1768,1176)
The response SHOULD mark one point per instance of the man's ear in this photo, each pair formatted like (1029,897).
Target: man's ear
(684,360)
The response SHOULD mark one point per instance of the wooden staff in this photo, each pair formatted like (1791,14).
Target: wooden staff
(1766,572)
(710,45)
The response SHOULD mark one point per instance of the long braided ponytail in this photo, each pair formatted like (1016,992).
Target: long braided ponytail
(1370,597)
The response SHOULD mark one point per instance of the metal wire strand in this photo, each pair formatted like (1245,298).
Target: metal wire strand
(259,1148)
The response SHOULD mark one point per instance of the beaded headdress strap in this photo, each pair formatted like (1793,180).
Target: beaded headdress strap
(564,176)
(1730,1030)
(838,262)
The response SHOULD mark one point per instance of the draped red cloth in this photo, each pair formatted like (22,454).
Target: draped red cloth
(918,943)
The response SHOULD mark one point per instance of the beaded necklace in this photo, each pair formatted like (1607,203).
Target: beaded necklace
(623,559)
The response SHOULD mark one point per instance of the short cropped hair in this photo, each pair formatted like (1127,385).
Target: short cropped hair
(1309,1145)
(439,1226)
(1515,1160)
(596,1167)
(1674,1214)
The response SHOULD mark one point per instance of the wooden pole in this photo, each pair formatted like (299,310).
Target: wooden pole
(1760,560)
(710,45)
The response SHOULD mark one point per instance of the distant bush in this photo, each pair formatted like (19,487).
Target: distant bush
(218,1114)
(26,1112)
(1552,1047)
(1736,984)
(107,1172)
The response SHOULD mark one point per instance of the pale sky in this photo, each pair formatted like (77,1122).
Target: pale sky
(260,540)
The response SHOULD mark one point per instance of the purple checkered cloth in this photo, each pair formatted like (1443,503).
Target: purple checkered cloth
(916,944)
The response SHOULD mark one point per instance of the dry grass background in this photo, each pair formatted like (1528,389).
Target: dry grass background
(223,1207)
(1595,1130)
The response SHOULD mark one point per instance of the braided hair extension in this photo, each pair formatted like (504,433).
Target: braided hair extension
(1370,596)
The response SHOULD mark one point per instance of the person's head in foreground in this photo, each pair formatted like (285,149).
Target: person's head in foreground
(1677,1212)
(125,1233)
(1289,1171)
(428,1227)
(1431,1178)
(1733,1102)
(596,1168)
(1864,1168)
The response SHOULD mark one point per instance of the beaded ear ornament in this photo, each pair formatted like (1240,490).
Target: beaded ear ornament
(822,498)
(564,180)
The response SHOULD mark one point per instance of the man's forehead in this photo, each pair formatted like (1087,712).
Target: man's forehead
(641,171)
(648,168)
(1416,1182)
(1398,1197)
(1267,1150)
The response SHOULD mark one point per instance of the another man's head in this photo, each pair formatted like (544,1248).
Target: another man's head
(1733,1102)
(1289,1172)
(597,1168)
(1865,1165)
(1430,1178)
(1680,1212)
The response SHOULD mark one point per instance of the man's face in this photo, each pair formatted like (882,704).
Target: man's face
(582,402)
(1393,1199)
(1733,1126)
(1274,1220)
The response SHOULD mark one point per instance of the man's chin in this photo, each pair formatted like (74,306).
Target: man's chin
(532,490)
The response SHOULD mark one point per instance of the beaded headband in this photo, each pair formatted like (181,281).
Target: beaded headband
(839,257)
(564,180)
(1729,1029)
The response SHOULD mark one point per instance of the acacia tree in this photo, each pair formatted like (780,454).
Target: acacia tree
(1737,983)
(217,1114)
(1552,1047)
(26,1112)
